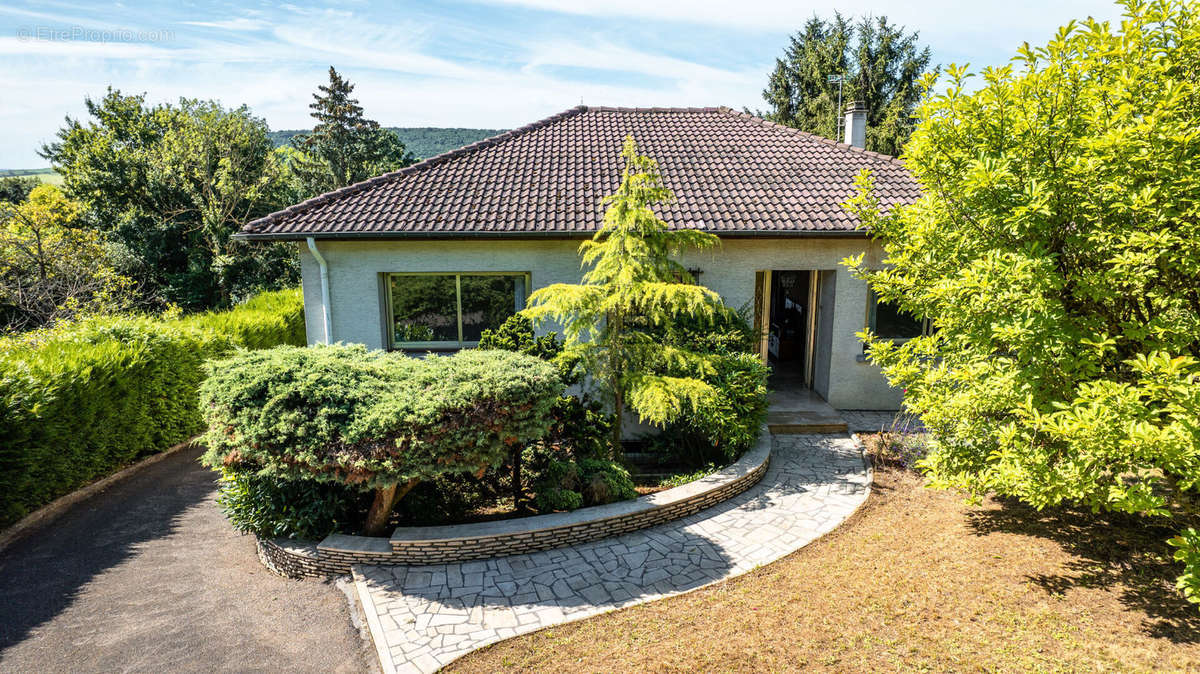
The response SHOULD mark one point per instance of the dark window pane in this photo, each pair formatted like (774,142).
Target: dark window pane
(424,309)
(891,323)
(487,301)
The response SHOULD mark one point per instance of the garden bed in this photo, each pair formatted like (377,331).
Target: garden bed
(440,544)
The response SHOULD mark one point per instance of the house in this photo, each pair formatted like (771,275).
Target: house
(427,257)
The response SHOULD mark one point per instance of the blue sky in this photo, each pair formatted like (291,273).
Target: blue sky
(486,63)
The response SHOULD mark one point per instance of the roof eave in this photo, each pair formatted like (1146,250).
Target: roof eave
(402,236)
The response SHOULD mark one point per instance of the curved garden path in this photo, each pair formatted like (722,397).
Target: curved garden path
(423,617)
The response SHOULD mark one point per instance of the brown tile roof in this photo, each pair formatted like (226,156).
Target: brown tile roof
(731,172)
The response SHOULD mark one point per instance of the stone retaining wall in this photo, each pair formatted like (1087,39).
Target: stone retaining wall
(462,542)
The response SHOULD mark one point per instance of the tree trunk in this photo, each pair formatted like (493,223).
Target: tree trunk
(618,453)
(386,498)
(517,492)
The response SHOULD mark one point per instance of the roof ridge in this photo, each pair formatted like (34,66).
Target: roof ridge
(422,165)
(610,108)
(807,134)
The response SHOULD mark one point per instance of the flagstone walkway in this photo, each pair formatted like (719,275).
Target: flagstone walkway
(423,617)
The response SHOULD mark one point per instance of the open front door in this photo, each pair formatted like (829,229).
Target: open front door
(810,332)
(762,312)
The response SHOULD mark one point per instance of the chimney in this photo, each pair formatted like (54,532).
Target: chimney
(856,124)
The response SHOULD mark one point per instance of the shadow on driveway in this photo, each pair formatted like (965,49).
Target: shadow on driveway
(148,576)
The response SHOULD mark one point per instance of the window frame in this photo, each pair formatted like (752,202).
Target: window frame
(872,303)
(454,345)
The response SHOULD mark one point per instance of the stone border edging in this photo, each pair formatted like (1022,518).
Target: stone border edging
(52,510)
(462,542)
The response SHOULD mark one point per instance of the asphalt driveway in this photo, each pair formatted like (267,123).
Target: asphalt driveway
(149,577)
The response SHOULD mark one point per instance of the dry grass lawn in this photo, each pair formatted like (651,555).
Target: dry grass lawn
(916,580)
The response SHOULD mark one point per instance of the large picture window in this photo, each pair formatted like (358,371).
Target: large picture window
(451,310)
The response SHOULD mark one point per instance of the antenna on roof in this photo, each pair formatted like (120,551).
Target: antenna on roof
(840,79)
(581,100)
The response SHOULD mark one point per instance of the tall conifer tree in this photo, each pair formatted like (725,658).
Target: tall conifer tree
(344,147)
(881,65)
(632,286)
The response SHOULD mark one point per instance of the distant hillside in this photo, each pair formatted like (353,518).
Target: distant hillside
(423,142)
(46,175)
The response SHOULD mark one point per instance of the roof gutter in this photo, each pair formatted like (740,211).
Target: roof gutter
(400,236)
(326,313)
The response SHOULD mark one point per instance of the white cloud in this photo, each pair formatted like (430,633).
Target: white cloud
(239,24)
(771,15)
(425,68)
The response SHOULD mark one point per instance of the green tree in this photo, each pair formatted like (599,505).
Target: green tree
(882,66)
(50,267)
(632,286)
(16,189)
(167,185)
(225,169)
(1057,252)
(344,147)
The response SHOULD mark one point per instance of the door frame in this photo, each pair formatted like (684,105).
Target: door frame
(763,280)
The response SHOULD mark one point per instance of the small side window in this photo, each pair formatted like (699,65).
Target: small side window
(887,321)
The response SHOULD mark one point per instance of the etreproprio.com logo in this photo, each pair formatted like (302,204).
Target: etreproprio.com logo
(85,34)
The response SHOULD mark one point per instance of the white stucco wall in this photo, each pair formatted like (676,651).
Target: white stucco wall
(357,312)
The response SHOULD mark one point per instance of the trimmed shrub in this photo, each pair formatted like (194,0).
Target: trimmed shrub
(261,322)
(81,400)
(552,499)
(373,419)
(603,481)
(273,507)
(567,484)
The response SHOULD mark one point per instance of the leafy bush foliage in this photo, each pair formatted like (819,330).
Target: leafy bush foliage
(580,428)
(80,400)
(551,499)
(1057,253)
(566,485)
(373,419)
(273,507)
(516,334)
(730,421)
(52,268)
(681,479)
(1187,545)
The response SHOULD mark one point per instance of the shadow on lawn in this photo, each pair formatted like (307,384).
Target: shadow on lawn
(1113,551)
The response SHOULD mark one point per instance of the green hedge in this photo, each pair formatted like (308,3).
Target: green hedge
(82,400)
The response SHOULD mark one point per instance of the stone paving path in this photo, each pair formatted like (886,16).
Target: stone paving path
(423,617)
(870,421)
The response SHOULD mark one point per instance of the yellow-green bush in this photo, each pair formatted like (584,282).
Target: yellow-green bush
(83,399)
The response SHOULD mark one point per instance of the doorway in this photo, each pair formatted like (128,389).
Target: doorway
(788,344)
(793,311)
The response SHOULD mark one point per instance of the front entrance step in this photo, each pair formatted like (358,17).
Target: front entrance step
(800,411)
(802,422)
